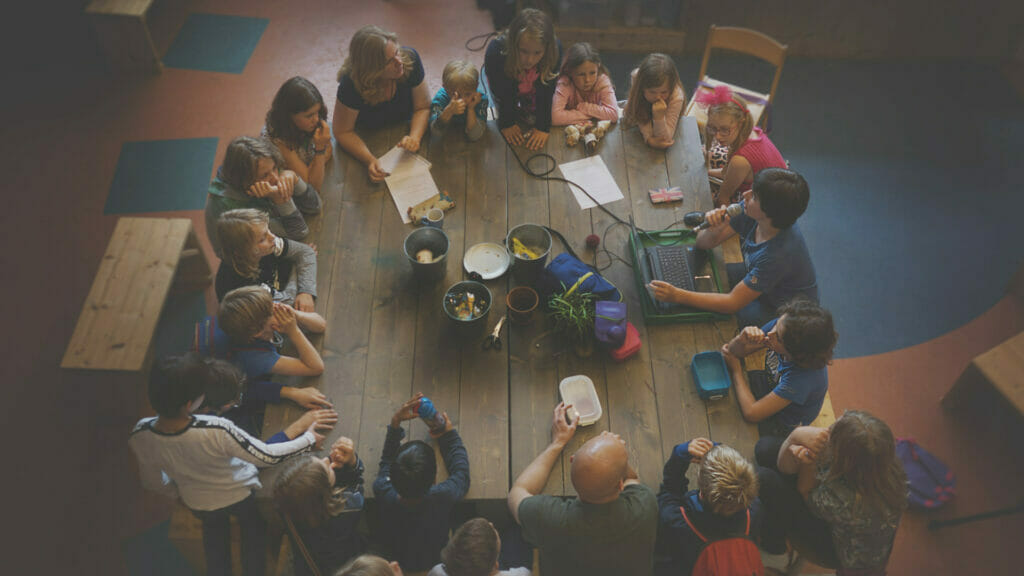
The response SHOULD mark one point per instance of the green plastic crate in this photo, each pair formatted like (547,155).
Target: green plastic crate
(669,237)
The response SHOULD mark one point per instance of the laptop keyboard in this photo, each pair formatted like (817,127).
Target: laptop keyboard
(674,264)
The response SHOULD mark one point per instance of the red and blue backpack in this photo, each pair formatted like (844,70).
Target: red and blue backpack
(735,555)
(931,483)
(209,341)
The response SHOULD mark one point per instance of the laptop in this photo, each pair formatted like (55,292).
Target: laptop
(673,263)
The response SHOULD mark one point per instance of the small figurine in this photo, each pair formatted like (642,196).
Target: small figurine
(590,133)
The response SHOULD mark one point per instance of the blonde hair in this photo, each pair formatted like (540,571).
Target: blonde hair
(459,75)
(737,110)
(366,565)
(367,58)
(244,312)
(727,481)
(863,453)
(534,25)
(654,70)
(303,492)
(238,231)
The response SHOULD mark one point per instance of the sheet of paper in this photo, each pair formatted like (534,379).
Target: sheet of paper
(592,174)
(398,159)
(409,186)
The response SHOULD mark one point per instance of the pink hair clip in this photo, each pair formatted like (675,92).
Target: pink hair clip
(717,96)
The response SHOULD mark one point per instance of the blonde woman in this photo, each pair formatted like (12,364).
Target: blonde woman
(380,83)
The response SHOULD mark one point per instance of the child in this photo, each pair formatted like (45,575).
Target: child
(223,396)
(459,101)
(323,499)
(207,461)
(749,149)
(253,255)
(844,504)
(370,565)
(521,69)
(415,513)
(724,504)
(252,177)
(297,124)
(473,551)
(791,389)
(656,100)
(380,83)
(776,264)
(584,92)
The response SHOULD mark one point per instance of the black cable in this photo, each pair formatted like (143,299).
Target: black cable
(486,38)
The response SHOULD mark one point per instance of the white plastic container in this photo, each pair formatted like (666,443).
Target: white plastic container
(580,393)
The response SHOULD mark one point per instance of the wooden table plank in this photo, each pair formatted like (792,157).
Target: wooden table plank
(484,400)
(631,393)
(533,371)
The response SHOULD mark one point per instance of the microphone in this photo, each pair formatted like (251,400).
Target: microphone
(698,220)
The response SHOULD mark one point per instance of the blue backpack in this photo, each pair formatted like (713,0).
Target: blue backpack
(931,482)
(566,272)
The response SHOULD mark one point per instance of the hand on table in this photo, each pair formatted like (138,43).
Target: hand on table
(513,135)
(304,303)
(377,174)
(562,430)
(537,140)
(664,292)
(308,397)
(410,143)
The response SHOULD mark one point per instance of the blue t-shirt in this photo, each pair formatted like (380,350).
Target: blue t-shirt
(397,109)
(256,359)
(779,268)
(805,389)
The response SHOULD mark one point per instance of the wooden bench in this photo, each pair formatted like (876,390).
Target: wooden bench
(144,260)
(999,370)
(123,32)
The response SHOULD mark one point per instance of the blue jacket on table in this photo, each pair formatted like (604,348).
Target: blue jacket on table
(677,547)
(415,533)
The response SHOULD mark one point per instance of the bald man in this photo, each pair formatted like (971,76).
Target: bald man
(609,528)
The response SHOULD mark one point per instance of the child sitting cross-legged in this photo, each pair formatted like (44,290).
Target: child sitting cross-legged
(724,506)
(415,513)
(253,255)
(207,461)
(458,102)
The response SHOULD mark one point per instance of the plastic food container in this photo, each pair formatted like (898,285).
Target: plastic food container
(710,375)
(579,391)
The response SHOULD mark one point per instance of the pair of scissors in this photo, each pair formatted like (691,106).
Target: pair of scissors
(493,340)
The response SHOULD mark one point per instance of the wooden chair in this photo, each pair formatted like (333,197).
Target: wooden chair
(745,41)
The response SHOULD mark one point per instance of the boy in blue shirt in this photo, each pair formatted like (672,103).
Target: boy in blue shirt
(791,389)
(415,513)
(458,102)
(777,264)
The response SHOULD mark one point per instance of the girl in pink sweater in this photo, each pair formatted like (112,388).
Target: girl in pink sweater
(656,100)
(584,91)
(750,151)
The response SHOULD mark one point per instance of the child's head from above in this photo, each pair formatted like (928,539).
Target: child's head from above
(246,313)
(459,77)
(251,160)
(729,121)
(369,565)
(780,195)
(177,385)
(583,66)
(531,43)
(727,481)
(804,333)
(245,237)
(375,57)
(297,110)
(473,549)
(863,453)
(223,388)
(305,491)
(414,470)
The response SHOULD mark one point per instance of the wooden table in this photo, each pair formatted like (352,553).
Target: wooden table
(387,337)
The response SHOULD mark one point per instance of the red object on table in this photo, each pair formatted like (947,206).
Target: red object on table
(631,345)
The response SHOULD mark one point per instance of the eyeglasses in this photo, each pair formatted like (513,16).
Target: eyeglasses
(718,129)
